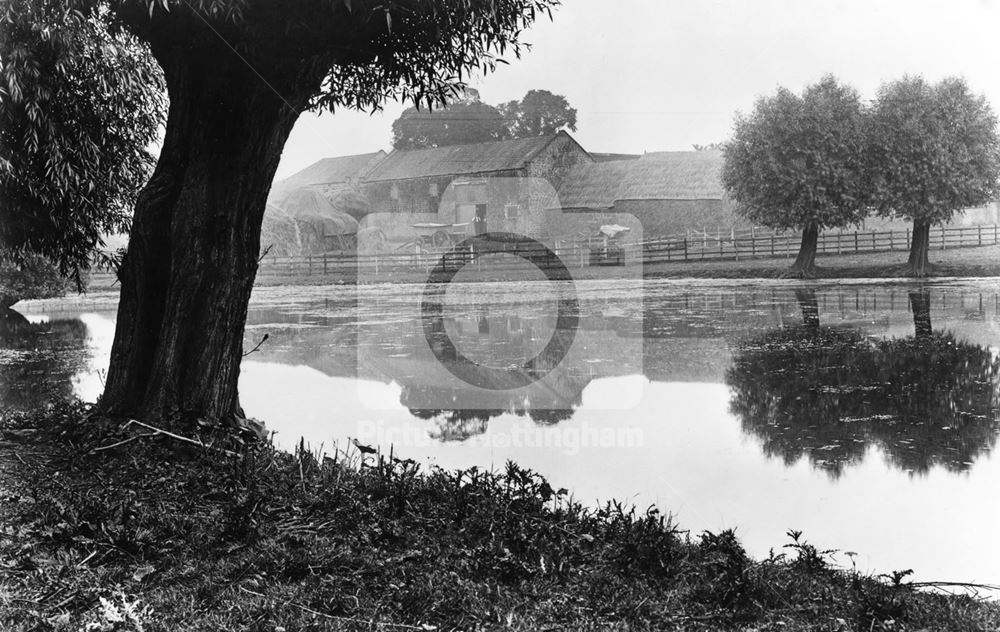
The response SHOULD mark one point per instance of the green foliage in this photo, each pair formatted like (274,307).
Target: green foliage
(468,121)
(934,150)
(458,123)
(32,276)
(186,537)
(539,113)
(79,104)
(800,160)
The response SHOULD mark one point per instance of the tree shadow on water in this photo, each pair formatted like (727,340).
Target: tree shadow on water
(830,393)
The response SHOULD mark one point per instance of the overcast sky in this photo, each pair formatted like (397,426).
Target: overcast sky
(653,75)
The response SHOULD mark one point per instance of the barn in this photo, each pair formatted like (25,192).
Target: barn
(509,184)
(670,192)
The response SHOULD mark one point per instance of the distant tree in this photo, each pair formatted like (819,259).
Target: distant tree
(459,123)
(934,151)
(31,276)
(709,147)
(798,162)
(80,100)
(538,113)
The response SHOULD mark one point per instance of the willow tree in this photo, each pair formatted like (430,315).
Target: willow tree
(798,162)
(80,101)
(935,151)
(238,73)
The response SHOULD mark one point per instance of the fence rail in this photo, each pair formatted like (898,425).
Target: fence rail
(703,247)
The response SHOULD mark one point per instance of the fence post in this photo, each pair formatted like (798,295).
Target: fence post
(310,265)
(980,234)
(685,249)
(874,246)
(326,258)
(772,244)
(943,236)
(855,241)
(907,238)
(891,244)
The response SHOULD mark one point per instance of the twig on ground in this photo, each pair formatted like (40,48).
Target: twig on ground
(124,441)
(177,436)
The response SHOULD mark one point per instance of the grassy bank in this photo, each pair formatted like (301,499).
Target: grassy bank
(116,530)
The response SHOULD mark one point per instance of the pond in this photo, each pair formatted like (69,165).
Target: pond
(863,414)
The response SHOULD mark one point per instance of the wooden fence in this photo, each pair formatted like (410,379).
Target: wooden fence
(704,247)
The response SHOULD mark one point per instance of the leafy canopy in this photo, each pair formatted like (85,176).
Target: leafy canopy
(935,149)
(539,113)
(463,122)
(469,120)
(800,160)
(79,103)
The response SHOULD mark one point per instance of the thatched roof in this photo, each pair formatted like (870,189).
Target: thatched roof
(504,155)
(667,175)
(339,170)
(308,204)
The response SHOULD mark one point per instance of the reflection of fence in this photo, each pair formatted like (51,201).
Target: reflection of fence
(703,247)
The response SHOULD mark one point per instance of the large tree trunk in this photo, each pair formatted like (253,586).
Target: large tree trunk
(805,262)
(192,257)
(918,264)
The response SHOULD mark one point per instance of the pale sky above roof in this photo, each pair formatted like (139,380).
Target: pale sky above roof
(655,75)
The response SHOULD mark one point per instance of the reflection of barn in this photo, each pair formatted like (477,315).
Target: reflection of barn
(669,192)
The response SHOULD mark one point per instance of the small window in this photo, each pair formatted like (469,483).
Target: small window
(394,192)
(432,190)
(512,211)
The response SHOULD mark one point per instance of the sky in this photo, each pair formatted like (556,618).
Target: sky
(659,75)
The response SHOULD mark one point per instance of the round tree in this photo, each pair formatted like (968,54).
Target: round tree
(797,162)
(934,151)
(460,123)
(539,113)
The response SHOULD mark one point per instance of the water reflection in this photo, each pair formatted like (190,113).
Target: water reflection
(39,360)
(862,381)
(829,393)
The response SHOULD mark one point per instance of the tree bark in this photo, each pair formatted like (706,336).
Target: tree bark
(805,262)
(918,264)
(192,257)
(920,305)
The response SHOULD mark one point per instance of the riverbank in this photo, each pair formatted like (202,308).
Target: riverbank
(955,262)
(103,523)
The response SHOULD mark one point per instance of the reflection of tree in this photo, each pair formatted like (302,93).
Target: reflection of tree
(471,417)
(38,360)
(829,393)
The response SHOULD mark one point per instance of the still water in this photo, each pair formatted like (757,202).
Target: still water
(863,414)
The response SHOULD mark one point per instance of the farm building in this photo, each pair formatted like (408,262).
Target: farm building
(338,179)
(499,182)
(669,192)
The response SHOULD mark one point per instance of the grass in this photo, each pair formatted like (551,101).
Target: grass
(105,529)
